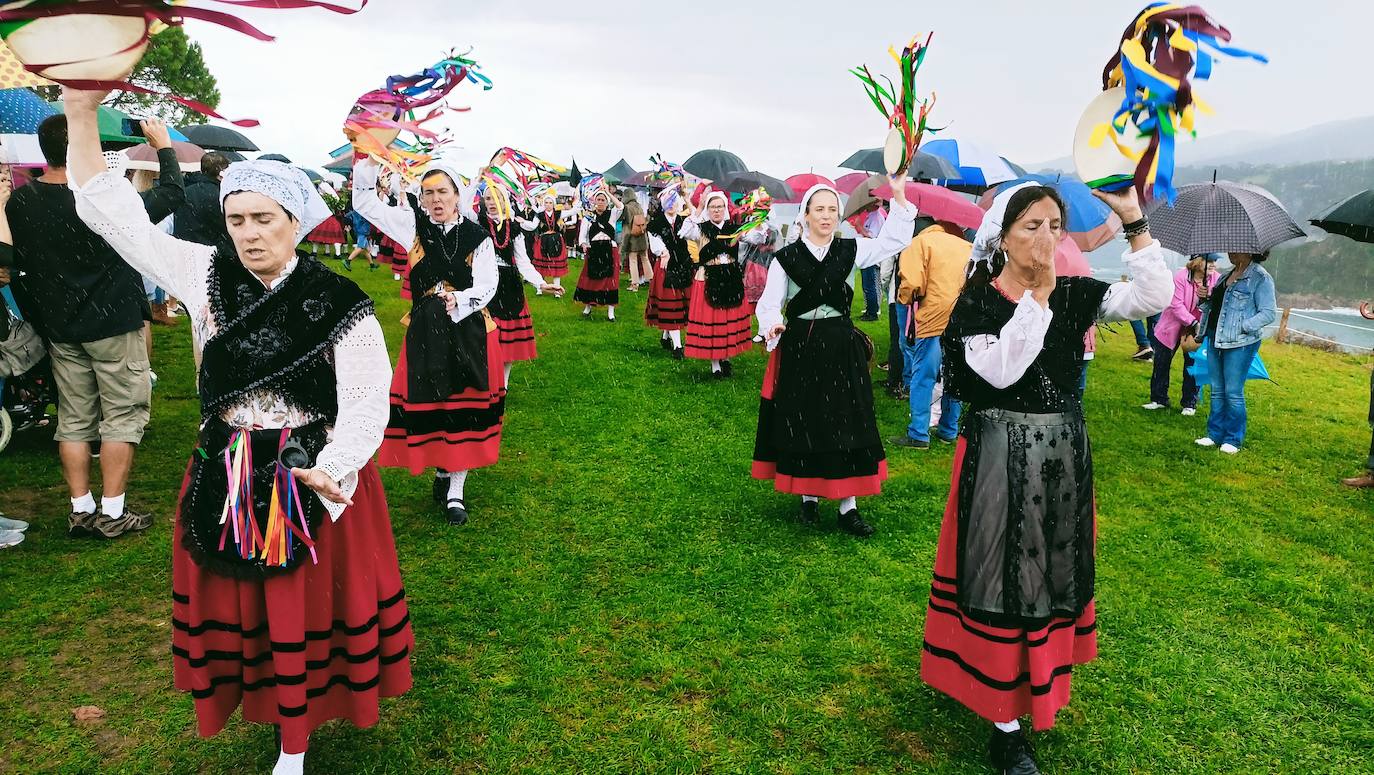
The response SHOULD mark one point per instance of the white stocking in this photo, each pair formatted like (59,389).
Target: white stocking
(290,764)
(676,336)
(455,485)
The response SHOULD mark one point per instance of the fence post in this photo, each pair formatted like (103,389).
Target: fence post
(1283,326)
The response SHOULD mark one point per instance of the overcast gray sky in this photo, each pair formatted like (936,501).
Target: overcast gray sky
(766,80)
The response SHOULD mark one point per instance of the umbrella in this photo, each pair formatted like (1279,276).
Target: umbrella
(1091,223)
(938,203)
(110,123)
(802,182)
(314,176)
(236,156)
(977,165)
(1222,217)
(1200,371)
(274,157)
(620,172)
(847,183)
(21,150)
(741,182)
(21,111)
(714,164)
(1069,260)
(924,166)
(1352,217)
(218,138)
(186,152)
(862,195)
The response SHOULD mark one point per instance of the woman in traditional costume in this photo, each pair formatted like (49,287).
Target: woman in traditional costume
(550,249)
(817,436)
(666,308)
(717,316)
(599,283)
(286,595)
(449,392)
(1011,604)
(509,308)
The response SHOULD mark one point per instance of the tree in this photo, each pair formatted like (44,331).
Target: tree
(173,64)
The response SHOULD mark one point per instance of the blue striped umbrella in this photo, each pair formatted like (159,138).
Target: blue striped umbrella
(21,111)
(977,165)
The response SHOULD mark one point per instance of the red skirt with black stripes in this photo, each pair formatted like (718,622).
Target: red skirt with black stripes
(461,432)
(999,673)
(517,336)
(713,333)
(321,642)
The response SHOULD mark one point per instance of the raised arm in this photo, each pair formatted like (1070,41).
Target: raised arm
(110,207)
(895,236)
(169,193)
(395,221)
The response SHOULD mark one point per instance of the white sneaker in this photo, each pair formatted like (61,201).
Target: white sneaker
(1205,442)
(10,538)
(1153,406)
(1188,412)
(1230,449)
(15,525)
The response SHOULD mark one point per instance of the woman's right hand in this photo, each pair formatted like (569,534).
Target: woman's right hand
(775,331)
(450,301)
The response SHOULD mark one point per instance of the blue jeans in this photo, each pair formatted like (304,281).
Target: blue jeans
(1227,370)
(922,362)
(1144,329)
(1082,378)
(869,277)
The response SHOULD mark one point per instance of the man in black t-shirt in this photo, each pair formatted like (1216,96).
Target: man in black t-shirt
(90,307)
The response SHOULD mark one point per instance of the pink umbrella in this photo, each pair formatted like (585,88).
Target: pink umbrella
(801,183)
(938,203)
(187,153)
(1069,260)
(846,184)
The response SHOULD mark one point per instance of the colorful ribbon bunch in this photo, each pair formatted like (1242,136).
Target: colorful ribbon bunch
(1162,47)
(903,111)
(379,116)
(593,183)
(271,543)
(666,171)
(15,15)
(752,210)
(521,173)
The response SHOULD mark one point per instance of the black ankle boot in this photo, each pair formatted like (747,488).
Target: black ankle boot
(1011,753)
(852,523)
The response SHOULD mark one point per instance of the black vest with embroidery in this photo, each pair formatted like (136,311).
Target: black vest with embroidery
(445,253)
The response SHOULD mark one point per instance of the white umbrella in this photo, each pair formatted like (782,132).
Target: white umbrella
(22,150)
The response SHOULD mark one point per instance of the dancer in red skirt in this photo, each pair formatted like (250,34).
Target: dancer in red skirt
(1011,604)
(817,436)
(550,249)
(449,392)
(717,317)
(666,308)
(509,308)
(599,283)
(292,607)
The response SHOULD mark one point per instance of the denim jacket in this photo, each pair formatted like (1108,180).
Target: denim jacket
(1248,307)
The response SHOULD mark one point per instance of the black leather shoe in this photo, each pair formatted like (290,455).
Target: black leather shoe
(810,514)
(457,514)
(718,374)
(908,442)
(677,353)
(440,488)
(665,343)
(852,523)
(726,368)
(1011,753)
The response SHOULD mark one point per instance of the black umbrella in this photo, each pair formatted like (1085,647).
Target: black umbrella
(742,182)
(314,176)
(714,164)
(1352,217)
(274,157)
(574,175)
(620,172)
(926,166)
(1221,217)
(217,138)
(233,155)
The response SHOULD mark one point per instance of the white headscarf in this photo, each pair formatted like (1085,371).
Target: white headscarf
(806,201)
(706,203)
(989,237)
(286,185)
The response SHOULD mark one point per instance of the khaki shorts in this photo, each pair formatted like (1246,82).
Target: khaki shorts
(103,388)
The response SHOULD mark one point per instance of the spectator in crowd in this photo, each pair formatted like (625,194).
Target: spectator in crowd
(200,218)
(870,227)
(1191,284)
(90,308)
(1235,313)
(634,240)
(931,272)
(1144,330)
(1366,480)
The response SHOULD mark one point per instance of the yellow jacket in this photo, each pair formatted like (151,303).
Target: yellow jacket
(931,271)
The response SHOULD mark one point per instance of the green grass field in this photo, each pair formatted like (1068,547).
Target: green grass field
(627,599)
